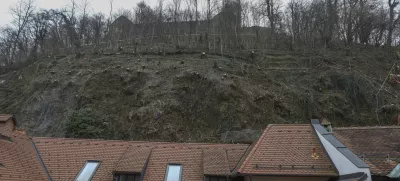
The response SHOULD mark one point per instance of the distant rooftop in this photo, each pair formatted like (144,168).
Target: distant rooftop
(378,146)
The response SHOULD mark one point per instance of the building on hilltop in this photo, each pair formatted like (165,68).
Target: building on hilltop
(283,152)
(223,28)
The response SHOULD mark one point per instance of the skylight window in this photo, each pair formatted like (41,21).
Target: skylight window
(174,173)
(88,170)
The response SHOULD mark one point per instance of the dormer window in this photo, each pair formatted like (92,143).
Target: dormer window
(215,178)
(126,177)
(5,138)
(173,173)
(88,170)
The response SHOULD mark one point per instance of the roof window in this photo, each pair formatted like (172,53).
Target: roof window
(174,173)
(88,171)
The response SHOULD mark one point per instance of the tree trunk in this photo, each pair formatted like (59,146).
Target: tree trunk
(349,33)
(390,28)
(392,22)
(331,9)
(209,24)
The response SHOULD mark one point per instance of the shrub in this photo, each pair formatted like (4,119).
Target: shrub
(86,123)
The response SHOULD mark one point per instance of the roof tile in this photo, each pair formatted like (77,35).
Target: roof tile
(287,150)
(5,117)
(191,161)
(64,157)
(133,159)
(378,146)
(215,162)
(19,161)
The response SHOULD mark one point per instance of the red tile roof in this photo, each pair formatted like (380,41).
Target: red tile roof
(287,150)
(134,159)
(378,146)
(281,150)
(19,161)
(216,162)
(65,157)
(235,155)
(189,158)
(6,126)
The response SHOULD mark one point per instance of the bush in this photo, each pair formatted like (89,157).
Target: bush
(86,123)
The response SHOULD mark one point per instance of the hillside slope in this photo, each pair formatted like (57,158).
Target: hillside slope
(184,98)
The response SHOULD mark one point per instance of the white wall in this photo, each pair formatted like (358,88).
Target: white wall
(342,163)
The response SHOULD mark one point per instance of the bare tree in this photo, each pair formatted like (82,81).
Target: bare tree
(144,18)
(294,20)
(271,14)
(393,20)
(177,8)
(160,17)
(365,20)
(308,24)
(40,27)
(84,22)
(331,21)
(6,46)
(208,24)
(189,16)
(22,13)
(97,24)
(348,11)
(195,5)
(110,33)
(68,17)
(380,22)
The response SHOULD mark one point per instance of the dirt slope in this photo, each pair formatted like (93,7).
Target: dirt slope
(184,98)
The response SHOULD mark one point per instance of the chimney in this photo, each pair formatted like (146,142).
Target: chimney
(7,124)
(327,125)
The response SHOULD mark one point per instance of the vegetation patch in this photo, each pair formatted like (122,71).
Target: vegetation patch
(87,123)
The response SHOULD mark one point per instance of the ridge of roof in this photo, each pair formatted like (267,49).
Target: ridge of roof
(39,159)
(121,157)
(220,161)
(243,157)
(253,149)
(141,143)
(145,165)
(6,117)
(226,163)
(5,138)
(339,146)
(21,162)
(373,145)
(366,127)
(14,134)
(288,125)
(263,157)
(20,135)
